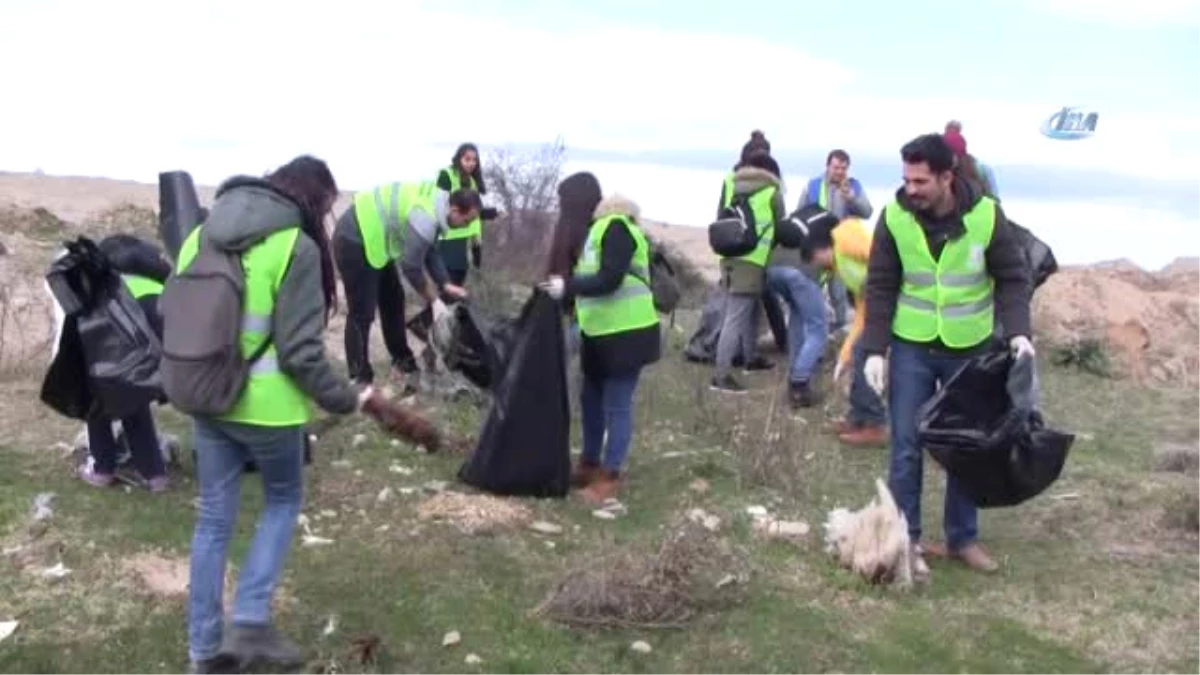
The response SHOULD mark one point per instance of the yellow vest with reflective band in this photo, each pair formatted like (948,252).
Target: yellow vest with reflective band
(851,268)
(139,287)
(764,219)
(271,398)
(950,299)
(382,215)
(631,306)
(474,229)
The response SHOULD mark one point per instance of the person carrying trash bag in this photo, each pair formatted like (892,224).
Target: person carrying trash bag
(945,266)
(244,355)
(395,224)
(620,335)
(465,170)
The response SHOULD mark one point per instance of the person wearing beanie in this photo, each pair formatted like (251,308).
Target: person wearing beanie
(972,169)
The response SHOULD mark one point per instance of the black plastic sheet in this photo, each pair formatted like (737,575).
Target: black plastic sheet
(524,447)
(178,209)
(983,429)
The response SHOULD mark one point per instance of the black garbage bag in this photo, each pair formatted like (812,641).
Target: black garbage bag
(524,448)
(984,430)
(65,386)
(120,348)
(479,347)
(179,209)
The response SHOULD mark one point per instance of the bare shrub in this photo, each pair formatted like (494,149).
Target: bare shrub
(693,571)
(525,183)
(26,328)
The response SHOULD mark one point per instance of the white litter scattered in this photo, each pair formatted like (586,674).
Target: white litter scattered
(707,520)
(359,439)
(330,626)
(757,511)
(41,506)
(641,647)
(473,660)
(545,528)
(384,495)
(452,638)
(402,470)
(7,628)
(604,515)
(57,572)
(314,540)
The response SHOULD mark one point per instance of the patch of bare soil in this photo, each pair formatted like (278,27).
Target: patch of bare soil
(474,513)
(1150,321)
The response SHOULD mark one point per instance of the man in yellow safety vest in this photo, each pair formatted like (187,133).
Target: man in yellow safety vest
(945,268)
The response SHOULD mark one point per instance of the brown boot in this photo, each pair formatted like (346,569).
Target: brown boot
(584,473)
(838,426)
(972,555)
(602,488)
(865,437)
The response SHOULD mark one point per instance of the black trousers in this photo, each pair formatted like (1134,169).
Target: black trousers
(368,290)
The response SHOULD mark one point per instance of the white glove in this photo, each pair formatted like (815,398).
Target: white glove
(553,287)
(439,309)
(875,370)
(1021,347)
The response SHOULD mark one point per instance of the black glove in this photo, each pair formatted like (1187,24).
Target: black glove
(489,213)
(476,255)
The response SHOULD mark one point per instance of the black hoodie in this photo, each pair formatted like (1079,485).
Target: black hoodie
(1005,263)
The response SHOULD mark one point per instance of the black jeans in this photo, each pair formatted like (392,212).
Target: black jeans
(142,437)
(367,290)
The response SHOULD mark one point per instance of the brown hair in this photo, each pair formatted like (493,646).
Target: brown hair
(309,183)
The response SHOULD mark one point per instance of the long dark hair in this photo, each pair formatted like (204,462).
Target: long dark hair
(578,196)
(308,181)
(477,175)
(967,168)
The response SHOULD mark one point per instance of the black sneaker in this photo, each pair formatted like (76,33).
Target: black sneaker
(758,363)
(801,395)
(407,365)
(217,664)
(251,645)
(727,384)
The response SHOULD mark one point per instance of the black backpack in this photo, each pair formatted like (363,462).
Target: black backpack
(203,370)
(735,233)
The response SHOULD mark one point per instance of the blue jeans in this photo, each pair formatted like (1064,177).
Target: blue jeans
(607,412)
(222,449)
(808,329)
(913,375)
(838,300)
(866,407)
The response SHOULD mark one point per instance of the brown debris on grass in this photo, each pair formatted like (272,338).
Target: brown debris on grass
(474,514)
(694,570)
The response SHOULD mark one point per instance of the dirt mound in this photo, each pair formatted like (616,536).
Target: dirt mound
(1148,321)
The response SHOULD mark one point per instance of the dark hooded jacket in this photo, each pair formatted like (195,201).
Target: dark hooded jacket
(624,352)
(1005,259)
(246,211)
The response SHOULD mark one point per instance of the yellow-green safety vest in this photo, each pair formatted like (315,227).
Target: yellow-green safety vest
(382,215)
(764,218)
(851,272)
(949,299)
(271,398)
(631,306)
(474,229)
(139,286)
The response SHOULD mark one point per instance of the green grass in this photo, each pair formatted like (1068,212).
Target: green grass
(1099,580)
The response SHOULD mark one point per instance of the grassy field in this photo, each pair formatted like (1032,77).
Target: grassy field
(1099,573)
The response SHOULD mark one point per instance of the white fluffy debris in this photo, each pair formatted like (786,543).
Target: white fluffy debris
(41,506)
(641,647)
(873,541)
(452,638)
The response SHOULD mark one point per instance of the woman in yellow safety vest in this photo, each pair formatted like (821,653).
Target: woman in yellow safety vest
(866,422)
(620,335)
(395,225)
(465,171)
(276,225)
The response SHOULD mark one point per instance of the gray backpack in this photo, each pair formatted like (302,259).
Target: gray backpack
(203,370)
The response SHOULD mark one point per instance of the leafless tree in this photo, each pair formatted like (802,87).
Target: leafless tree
(526,180)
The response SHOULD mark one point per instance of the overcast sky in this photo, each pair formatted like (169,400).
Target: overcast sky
(656,98)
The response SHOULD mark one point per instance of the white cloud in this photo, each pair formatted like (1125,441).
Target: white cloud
(131,87)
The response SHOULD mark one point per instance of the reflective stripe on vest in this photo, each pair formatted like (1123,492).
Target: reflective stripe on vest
(949,299)
(474,229)
(382,215)
(271,398)
(631,306)
(761,204)
(139,287)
